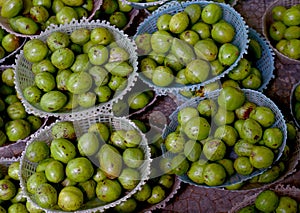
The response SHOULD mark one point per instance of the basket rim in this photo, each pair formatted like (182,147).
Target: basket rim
(99,108)
(292,103)
(144,177)
(173,5)
(144,5)
(267,18)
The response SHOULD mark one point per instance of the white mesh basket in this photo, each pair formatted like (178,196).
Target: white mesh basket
(81,127)
(251,95)
(24,76)
(144,5)
(229,14)
(267,20)
(4,22)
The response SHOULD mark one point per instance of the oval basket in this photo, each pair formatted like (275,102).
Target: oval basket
(4,22)
(251,95)
(14,149)
(28,168)
(267,20)
(280,190)
(173,7)
(24,76)
(293,103)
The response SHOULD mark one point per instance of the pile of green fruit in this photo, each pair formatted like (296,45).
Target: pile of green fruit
(116,12)
(79,70)
(8,43)
(29,17)
(271,201)
(295,103)
(12,199)
(224,137)
(284,31)
(95,169)
(188,47)
(15,123)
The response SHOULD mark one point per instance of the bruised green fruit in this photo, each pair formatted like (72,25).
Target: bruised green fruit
(197,71)
(143,43)
(227,134)
(144,193)
(79,82)
(70,198)
(46,195)
(157,195)
(62,58)
(118,19)
(286,204)
(243,166)
(101,35)
(273,137)
(39,14)
(267,201)
(179,22)
(162,76)
(214,174)
(53,101)
(206,49)
(243,148)
(195,172)
(26,25)
(197,128)
(108,190)
(62,150)
(98,54)
(32,94)
(45,81)
(110,160)
(63,129)
(57,40)
(276,30)
(251,131)
(7,189)
(175,142)
(66,14)
(261,157)
(37,151)
(182,50)
(214,149)
(34,181)
(79,169)
(173,62)
(10,42)
(228,54)
(189,36)
(207,108)
(17,129)
(11,8)
(241,71)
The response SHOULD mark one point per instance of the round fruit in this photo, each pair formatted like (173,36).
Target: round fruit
(261,157)
(70,198)
(231,98)
(267,201)
(214,174)
(35,50)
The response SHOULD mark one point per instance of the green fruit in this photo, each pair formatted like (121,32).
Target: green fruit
(109,6)
(161,41)
(214,174)
(62,58)
(189,36)
(10,42)
(261,157)
(179,22)
(121,69)
(118,19)
(195,172)
(44,65)
(263,115)
(267,201)
(35,50)
(197,71)
(55,171)
(11,8)
(163,21)
(182,50)
(231,98)
(45,81)
(37,151)
(98,54)
(179,164)
(252,82)
(27,26)
(39,14)
(157,195)
(243,166)
(7,189)
(53,101)
(31,208)
(197,128)
(228,54)
(34,181)
(99,74)
(17,129)
(292,32)
(80,36)
(273,137)
(129,205)
(46,195)
(277,12)
(118,54)
(248,209)
(66,14)
(291,49)
(17,207)
(206,49)
(110,161)
(291,17)
(73,3)
(70,198)
(243,148)
(255,49)
(192,150)
(228,166)
(99,175)
(175,142)
(241,71)
(207,108)
(103,93)
(144,193)
(214,149)
(251,131)
(286,204)
(79,169)
(88,188)
(186,114)
(133,157)
(57,40)
(13,170)
(211,13)
(41,166)
(270,175)
(79,82)
(276,30)
(194,12)
(88,144)
(101,35)
(7,77)
(129,178)
(16,111)
(108,190)
(227,133)
(222,32)
(173,62)
(62,150)
(63,129)
(162,76)
(203,29)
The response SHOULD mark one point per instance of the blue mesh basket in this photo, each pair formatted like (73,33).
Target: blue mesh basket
(229,14)
(251,95)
